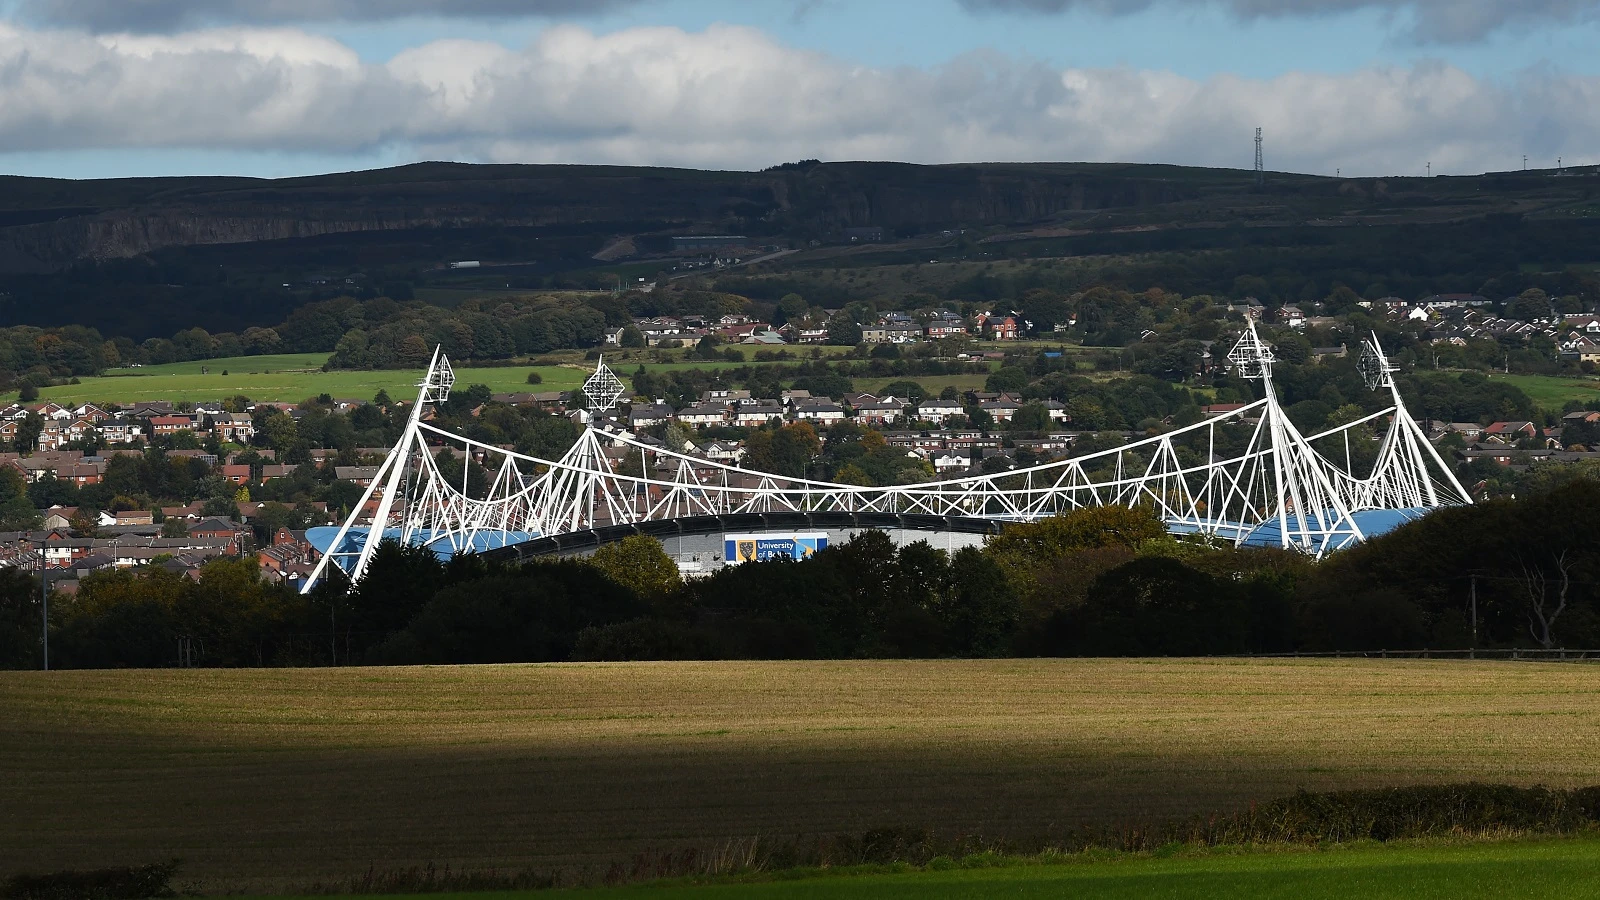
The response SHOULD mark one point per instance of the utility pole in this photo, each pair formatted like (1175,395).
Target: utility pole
(44,606)
(1430,169)
(1261,170)
(1472,652)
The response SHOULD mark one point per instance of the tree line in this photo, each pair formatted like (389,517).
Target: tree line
(1105,581)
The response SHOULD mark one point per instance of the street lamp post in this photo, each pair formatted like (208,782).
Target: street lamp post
(44,606)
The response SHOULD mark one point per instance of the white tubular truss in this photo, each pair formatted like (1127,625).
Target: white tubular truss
(1226,477)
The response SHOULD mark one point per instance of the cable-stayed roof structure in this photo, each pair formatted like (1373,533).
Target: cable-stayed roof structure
(1248,476)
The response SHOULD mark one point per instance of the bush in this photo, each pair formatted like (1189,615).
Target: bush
(134,883)
(535,378)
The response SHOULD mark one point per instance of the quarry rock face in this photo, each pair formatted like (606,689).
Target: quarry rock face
(50,226)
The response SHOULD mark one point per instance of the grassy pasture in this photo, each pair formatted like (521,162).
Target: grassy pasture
(276,778)
(1531,869)
(1552,392)
(292,377)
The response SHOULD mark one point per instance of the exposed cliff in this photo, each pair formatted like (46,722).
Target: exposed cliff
(48,225)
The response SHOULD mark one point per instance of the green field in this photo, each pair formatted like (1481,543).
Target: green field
(1511,869)
(292,377)
(1551,392)
(287,378)
(273,779)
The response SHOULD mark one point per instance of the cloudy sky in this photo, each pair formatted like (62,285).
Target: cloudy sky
(96,88)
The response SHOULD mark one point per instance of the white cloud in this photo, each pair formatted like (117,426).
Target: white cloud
(167,15)
(1443,21)
(1446,21)
(732,97)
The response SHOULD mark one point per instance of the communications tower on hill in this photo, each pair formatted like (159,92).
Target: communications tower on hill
(1261,169)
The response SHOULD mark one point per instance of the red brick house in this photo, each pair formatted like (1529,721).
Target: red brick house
(169,425)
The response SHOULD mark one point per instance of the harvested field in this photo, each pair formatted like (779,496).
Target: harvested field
(274,778)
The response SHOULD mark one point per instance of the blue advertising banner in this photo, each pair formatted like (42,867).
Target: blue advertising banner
(743,548)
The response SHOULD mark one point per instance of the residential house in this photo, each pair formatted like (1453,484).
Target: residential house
(751,415)
(148,409)
(220,530)
(939,410)
(805,333)
(1512,431)
(1003,328)
(703,414)
(722,451)
(643,415)
(120,431)
(60,517)
(236,428)
(822,411)
(891,333)
(209,459)
(126,517)
(1000,410)
(235,474)
(360,475)
(946,463)
(189,512)
(51,411)
(166,426)
(878,412)
(943,328)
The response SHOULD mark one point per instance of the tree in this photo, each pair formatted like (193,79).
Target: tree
(1543,609)
(27,393)
(1032,417)
(794,446)
(905,390)
(28,431)
(791,308)
(632,337)
(20,619)
(1155,606)
(220,507)
(1531,304)
(1026,549)
(280,431)
(982,610)
(639,564)
(843,331)
(1009,379)
(706,349)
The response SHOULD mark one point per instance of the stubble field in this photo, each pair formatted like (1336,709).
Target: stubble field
(273,779)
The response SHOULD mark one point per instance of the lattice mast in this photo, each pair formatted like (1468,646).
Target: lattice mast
(1312,514)
(388,483)
(1261,169)
(1401,477)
